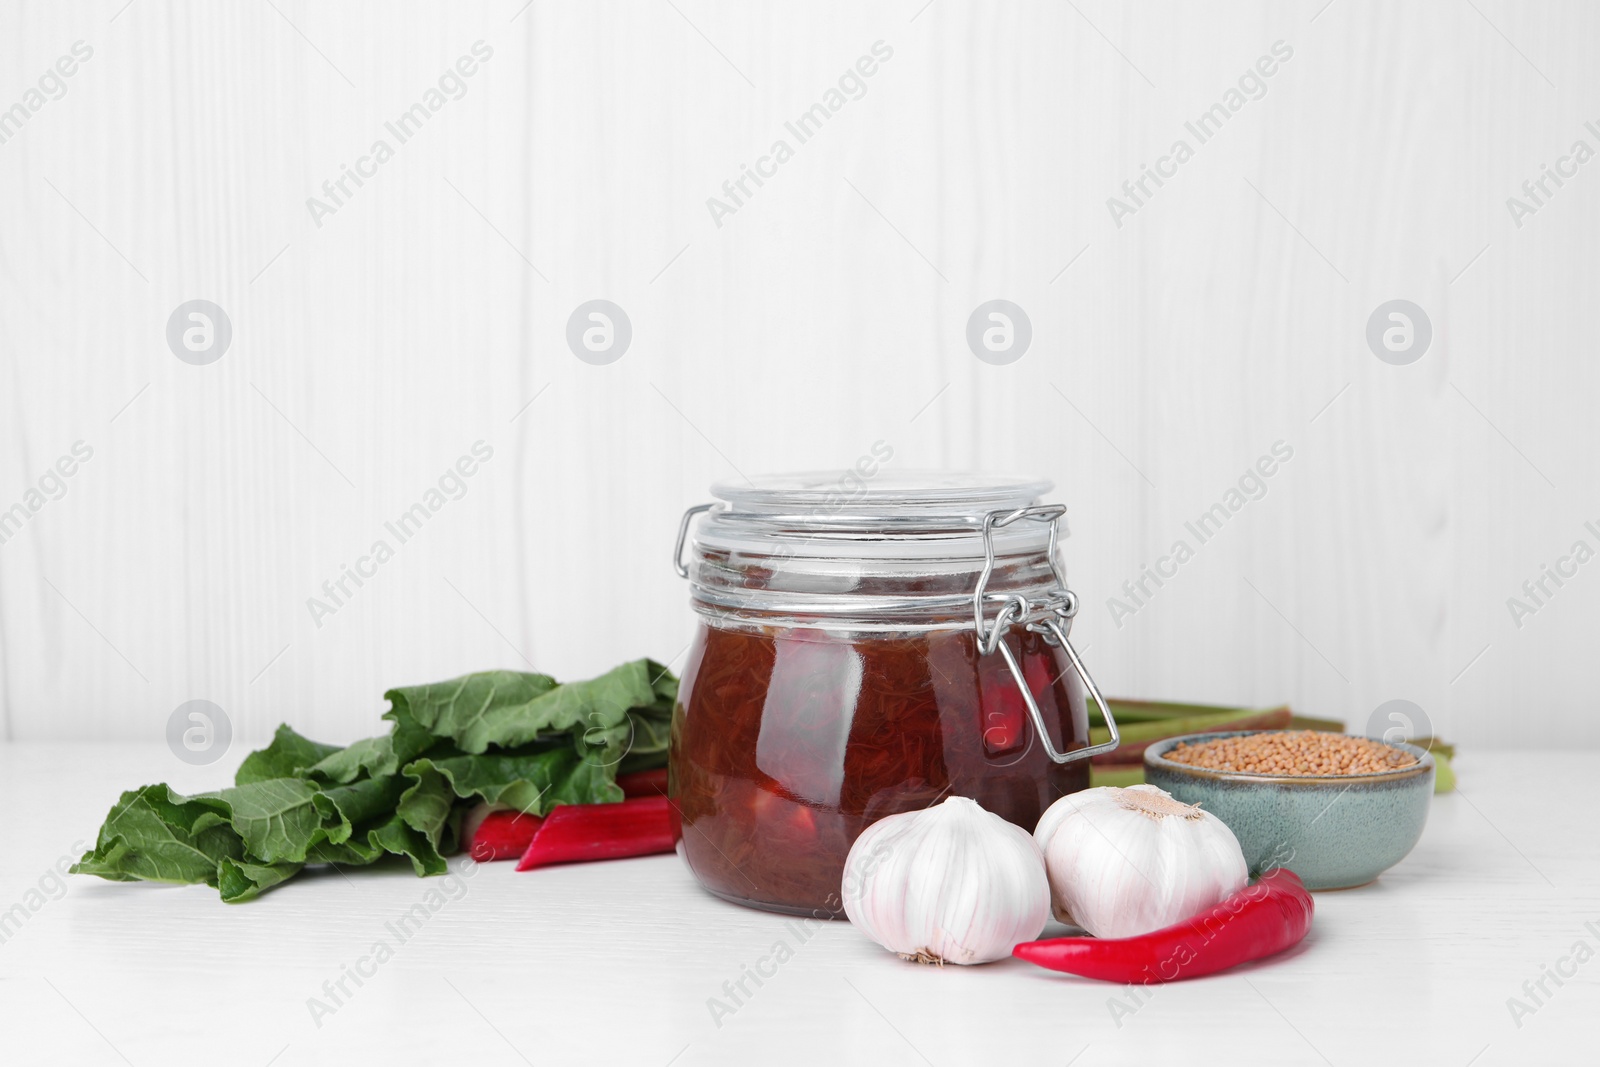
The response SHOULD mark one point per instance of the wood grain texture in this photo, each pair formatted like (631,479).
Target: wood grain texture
(827,313)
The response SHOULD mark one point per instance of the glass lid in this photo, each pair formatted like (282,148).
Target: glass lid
(925,493)
(906,513)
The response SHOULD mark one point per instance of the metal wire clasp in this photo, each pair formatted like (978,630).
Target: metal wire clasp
(683,536)
(1055,625)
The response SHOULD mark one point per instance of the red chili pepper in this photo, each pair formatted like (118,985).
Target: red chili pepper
(1255,922)
(644,783)
(573,833)
(503,835)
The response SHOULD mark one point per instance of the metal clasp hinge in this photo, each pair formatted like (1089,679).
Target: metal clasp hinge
(1015,609)
(683,536)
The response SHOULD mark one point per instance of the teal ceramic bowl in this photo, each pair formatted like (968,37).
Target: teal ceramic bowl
(1334,832)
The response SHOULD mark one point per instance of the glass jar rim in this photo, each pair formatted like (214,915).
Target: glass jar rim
(909,514)
(970,494)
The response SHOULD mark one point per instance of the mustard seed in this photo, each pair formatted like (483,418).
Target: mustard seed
(1293,753)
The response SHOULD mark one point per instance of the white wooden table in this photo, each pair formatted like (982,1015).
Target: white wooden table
(616,962)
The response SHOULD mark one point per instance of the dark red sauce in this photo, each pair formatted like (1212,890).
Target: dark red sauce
(787,743)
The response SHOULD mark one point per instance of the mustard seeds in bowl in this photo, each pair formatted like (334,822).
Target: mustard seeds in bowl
(1336,810)
(1293,753)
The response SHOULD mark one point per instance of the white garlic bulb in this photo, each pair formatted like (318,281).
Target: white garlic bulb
(949,884)
(1124,862)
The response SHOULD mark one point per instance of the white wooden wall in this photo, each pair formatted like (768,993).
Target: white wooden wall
(827,314)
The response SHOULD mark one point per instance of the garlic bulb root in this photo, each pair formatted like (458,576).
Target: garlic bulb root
(949,884)
(1124,862)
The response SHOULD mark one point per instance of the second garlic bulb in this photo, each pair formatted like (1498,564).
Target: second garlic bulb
(1124,862)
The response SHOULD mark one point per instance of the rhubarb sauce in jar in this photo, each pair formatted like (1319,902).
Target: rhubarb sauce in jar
(867,647)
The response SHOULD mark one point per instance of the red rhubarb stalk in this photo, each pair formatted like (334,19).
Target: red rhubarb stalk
(1258,921)
(503,835)
(644,783)
(574,833)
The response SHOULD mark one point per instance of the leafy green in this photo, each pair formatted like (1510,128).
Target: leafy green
(376,756)
(286,757)
(507,709)
(531,782)
(502,738)
(650,732)
(238,880)
(275,819)
(357,803)
(156,835)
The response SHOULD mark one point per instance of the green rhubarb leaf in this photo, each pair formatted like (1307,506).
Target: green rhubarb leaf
(528,781)
(651,732)
(278,818)
(239,881)
(288,756)
(426,804)
(508,709)
(377,756)
(634,762)
(374,756)
(665,684)
(342,808)
(395,836)
(157,835)
(477,710)
(389,836)
(358,850)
